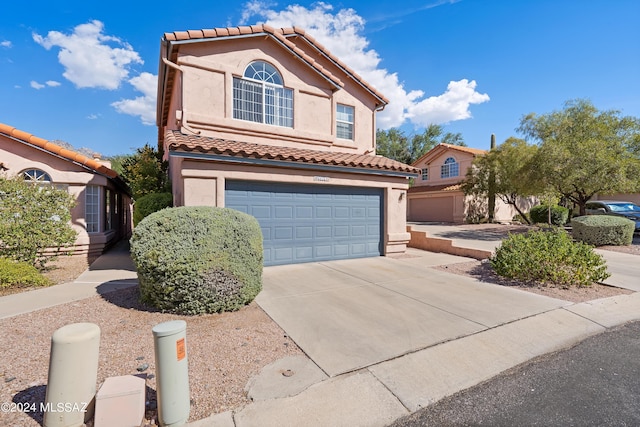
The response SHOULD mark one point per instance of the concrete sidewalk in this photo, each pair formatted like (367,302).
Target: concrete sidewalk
(113,270)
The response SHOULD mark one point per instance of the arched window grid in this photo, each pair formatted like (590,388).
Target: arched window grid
(260,96)
(450,168)
(36,176)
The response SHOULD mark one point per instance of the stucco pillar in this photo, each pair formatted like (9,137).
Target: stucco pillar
(200,191)
(396,238)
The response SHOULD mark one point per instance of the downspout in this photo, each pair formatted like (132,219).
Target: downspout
(183,117)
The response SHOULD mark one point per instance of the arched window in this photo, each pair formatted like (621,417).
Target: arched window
(450,168)
(260,96)
(36,176)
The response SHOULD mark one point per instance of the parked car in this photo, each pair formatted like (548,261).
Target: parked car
(617,208)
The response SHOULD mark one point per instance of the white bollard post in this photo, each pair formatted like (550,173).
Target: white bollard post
(73,373)
(172,373)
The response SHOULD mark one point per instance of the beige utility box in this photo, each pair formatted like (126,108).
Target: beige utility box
(120,402)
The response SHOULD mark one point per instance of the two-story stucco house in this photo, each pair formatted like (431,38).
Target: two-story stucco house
(437,195)
(102,213)
(269,122)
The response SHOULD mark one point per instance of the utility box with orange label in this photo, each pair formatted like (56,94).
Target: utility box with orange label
(172,373)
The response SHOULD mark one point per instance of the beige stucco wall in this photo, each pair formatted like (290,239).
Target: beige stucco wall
(17,157)
(207,100)
(203,183)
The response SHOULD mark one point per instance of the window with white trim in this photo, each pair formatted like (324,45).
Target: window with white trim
(450,168)
(36,176)
(425,174)
(260,96)
(108,210)
(92,208)
(344,122)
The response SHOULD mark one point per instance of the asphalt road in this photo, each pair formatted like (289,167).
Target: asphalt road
(595,383)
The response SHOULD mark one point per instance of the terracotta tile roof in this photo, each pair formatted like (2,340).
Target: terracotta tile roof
(282,35)
(438,149)
(475,151)
(52,148)
(192,143)
(435,188)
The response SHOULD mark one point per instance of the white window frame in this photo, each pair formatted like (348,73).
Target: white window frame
(92,208)
(345,119)
(450,168)
(260,96)
(425,174)
(108,210)
(36,176)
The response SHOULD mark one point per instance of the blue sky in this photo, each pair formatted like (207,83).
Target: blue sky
(85,72)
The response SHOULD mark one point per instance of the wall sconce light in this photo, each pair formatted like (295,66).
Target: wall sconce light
(401,196)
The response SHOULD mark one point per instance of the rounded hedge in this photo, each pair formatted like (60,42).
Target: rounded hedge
(20,274)
(540,215)
(600,230)
(149,204)
(195,260)
(549,257)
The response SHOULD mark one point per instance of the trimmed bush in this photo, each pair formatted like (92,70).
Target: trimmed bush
(600,230)
(149,204)
(540,215)
(548,258)
(20,274)
(195,260)
(34,219)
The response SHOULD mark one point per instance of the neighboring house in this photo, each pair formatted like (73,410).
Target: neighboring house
(102,214)
(437,195)
(267,121)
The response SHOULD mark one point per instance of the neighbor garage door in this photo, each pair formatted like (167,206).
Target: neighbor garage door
(303,223)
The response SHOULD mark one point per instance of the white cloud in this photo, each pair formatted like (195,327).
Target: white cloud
(34,84)
(341,33)
(91,58)
(5,43)
(143,106)
(93,116)
(51,83)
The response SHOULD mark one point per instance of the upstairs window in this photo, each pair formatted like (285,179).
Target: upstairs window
(344,122)
(260,96)
(36,176)
(425,174)
(450,168)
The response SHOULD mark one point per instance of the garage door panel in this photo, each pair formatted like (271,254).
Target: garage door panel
(302,223)
(283,212)
(260,212)
(283,233)
(304,212)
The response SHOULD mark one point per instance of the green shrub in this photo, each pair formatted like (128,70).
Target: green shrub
(20,274)
(33,218)
(600,230)
(194,260)
(517,218)
(149,204)
(548,257)
(540,215)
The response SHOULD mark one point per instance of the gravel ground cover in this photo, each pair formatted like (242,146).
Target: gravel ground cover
(224,350)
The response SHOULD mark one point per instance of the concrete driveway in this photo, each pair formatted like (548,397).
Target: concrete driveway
(346,315)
